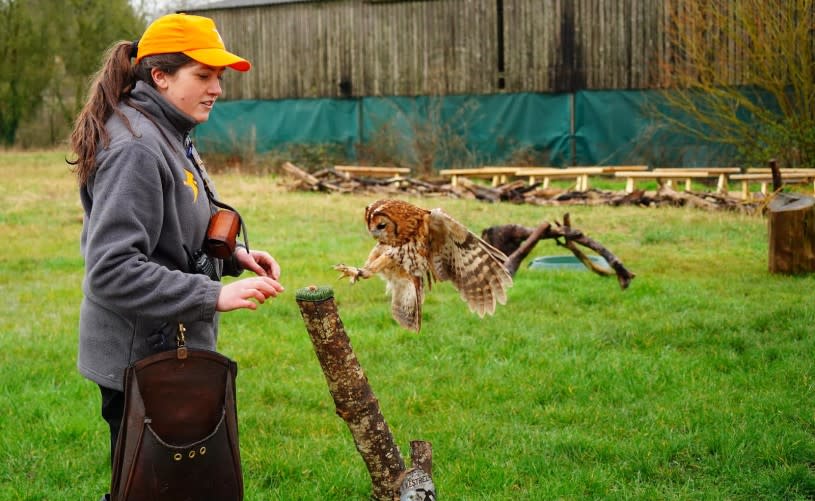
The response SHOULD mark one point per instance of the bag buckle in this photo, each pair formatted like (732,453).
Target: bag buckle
(181,351)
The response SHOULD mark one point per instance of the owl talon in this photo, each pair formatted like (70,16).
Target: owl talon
(348,271)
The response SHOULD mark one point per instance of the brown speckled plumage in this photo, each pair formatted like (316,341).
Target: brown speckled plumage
(415,244)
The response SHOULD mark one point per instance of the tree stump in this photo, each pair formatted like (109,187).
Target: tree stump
(791,226)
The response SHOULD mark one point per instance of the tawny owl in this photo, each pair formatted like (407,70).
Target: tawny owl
(415,244)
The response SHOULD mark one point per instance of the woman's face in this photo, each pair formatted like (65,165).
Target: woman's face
(193,89)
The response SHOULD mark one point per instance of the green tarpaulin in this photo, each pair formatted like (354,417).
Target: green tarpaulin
(584,128)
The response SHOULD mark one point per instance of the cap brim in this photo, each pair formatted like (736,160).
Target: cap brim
(219,57)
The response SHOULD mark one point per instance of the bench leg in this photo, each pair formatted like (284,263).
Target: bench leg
(745,190)
(721,184)
(688,184)
(629,185)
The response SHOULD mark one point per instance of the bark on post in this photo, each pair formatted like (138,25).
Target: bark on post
(791,226)
(421,455)
(355,402)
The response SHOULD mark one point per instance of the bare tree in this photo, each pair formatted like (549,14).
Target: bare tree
(742,73)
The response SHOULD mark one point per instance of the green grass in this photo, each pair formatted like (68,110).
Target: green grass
(697,382)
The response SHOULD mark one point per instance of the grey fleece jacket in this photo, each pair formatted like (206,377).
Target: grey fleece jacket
(145,203)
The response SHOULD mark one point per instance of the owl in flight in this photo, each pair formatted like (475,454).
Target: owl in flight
(414,244)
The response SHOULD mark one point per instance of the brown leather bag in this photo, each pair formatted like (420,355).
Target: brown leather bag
(179,436)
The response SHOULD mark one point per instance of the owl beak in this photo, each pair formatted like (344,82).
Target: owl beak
(376,233)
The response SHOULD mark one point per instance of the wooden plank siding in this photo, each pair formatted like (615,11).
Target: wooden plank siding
(568,45)
(352,48)
(305,50)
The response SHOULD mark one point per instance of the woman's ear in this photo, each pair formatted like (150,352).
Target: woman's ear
(159,78)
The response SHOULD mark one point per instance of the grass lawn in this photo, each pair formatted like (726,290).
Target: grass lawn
(698,382)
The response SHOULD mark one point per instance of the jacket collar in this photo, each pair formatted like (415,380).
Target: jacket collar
(148,99)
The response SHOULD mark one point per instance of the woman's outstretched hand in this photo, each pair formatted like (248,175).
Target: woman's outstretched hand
(248,293)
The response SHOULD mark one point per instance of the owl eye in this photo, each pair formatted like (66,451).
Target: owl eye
(381,226)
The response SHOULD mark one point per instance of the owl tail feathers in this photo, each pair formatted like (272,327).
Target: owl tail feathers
(406,303)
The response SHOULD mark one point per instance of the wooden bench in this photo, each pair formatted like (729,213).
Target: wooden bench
(580,174)
(498,175)
(721,173)
(661,177)
(686,174)
(501,174)
(611,169)
(790,176)
(365,171)
(783,170)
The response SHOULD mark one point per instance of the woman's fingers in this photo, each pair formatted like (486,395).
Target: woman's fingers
(241,294)
(259,262)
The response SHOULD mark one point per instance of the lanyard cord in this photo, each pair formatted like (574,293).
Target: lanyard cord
(192,154)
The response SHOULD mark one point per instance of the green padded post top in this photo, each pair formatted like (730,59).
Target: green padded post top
(314,293)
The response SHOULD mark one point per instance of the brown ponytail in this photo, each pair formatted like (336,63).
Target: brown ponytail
(111,83)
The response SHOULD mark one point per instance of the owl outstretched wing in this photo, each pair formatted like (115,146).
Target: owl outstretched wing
(475,267)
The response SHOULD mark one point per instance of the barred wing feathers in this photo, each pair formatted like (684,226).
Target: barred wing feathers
(475,267)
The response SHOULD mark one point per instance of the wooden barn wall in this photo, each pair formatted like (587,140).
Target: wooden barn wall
(355,48)
(351,48)
(568,45)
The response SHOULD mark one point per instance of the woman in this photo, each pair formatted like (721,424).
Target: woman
(148,203)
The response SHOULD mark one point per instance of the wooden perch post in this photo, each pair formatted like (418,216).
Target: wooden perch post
(518,241)
(357,405)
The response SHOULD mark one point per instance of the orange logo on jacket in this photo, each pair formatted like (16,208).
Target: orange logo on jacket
(193,184)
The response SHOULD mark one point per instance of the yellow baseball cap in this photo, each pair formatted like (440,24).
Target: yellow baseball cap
(195,36)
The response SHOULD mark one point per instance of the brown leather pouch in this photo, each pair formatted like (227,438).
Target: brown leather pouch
(221,234)
(179,436)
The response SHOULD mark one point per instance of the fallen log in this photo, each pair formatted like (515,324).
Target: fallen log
(481,192)
(310,181)
(518,241)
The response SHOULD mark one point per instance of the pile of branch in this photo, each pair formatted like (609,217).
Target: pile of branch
(517,242)
(329,180)
(519,192)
